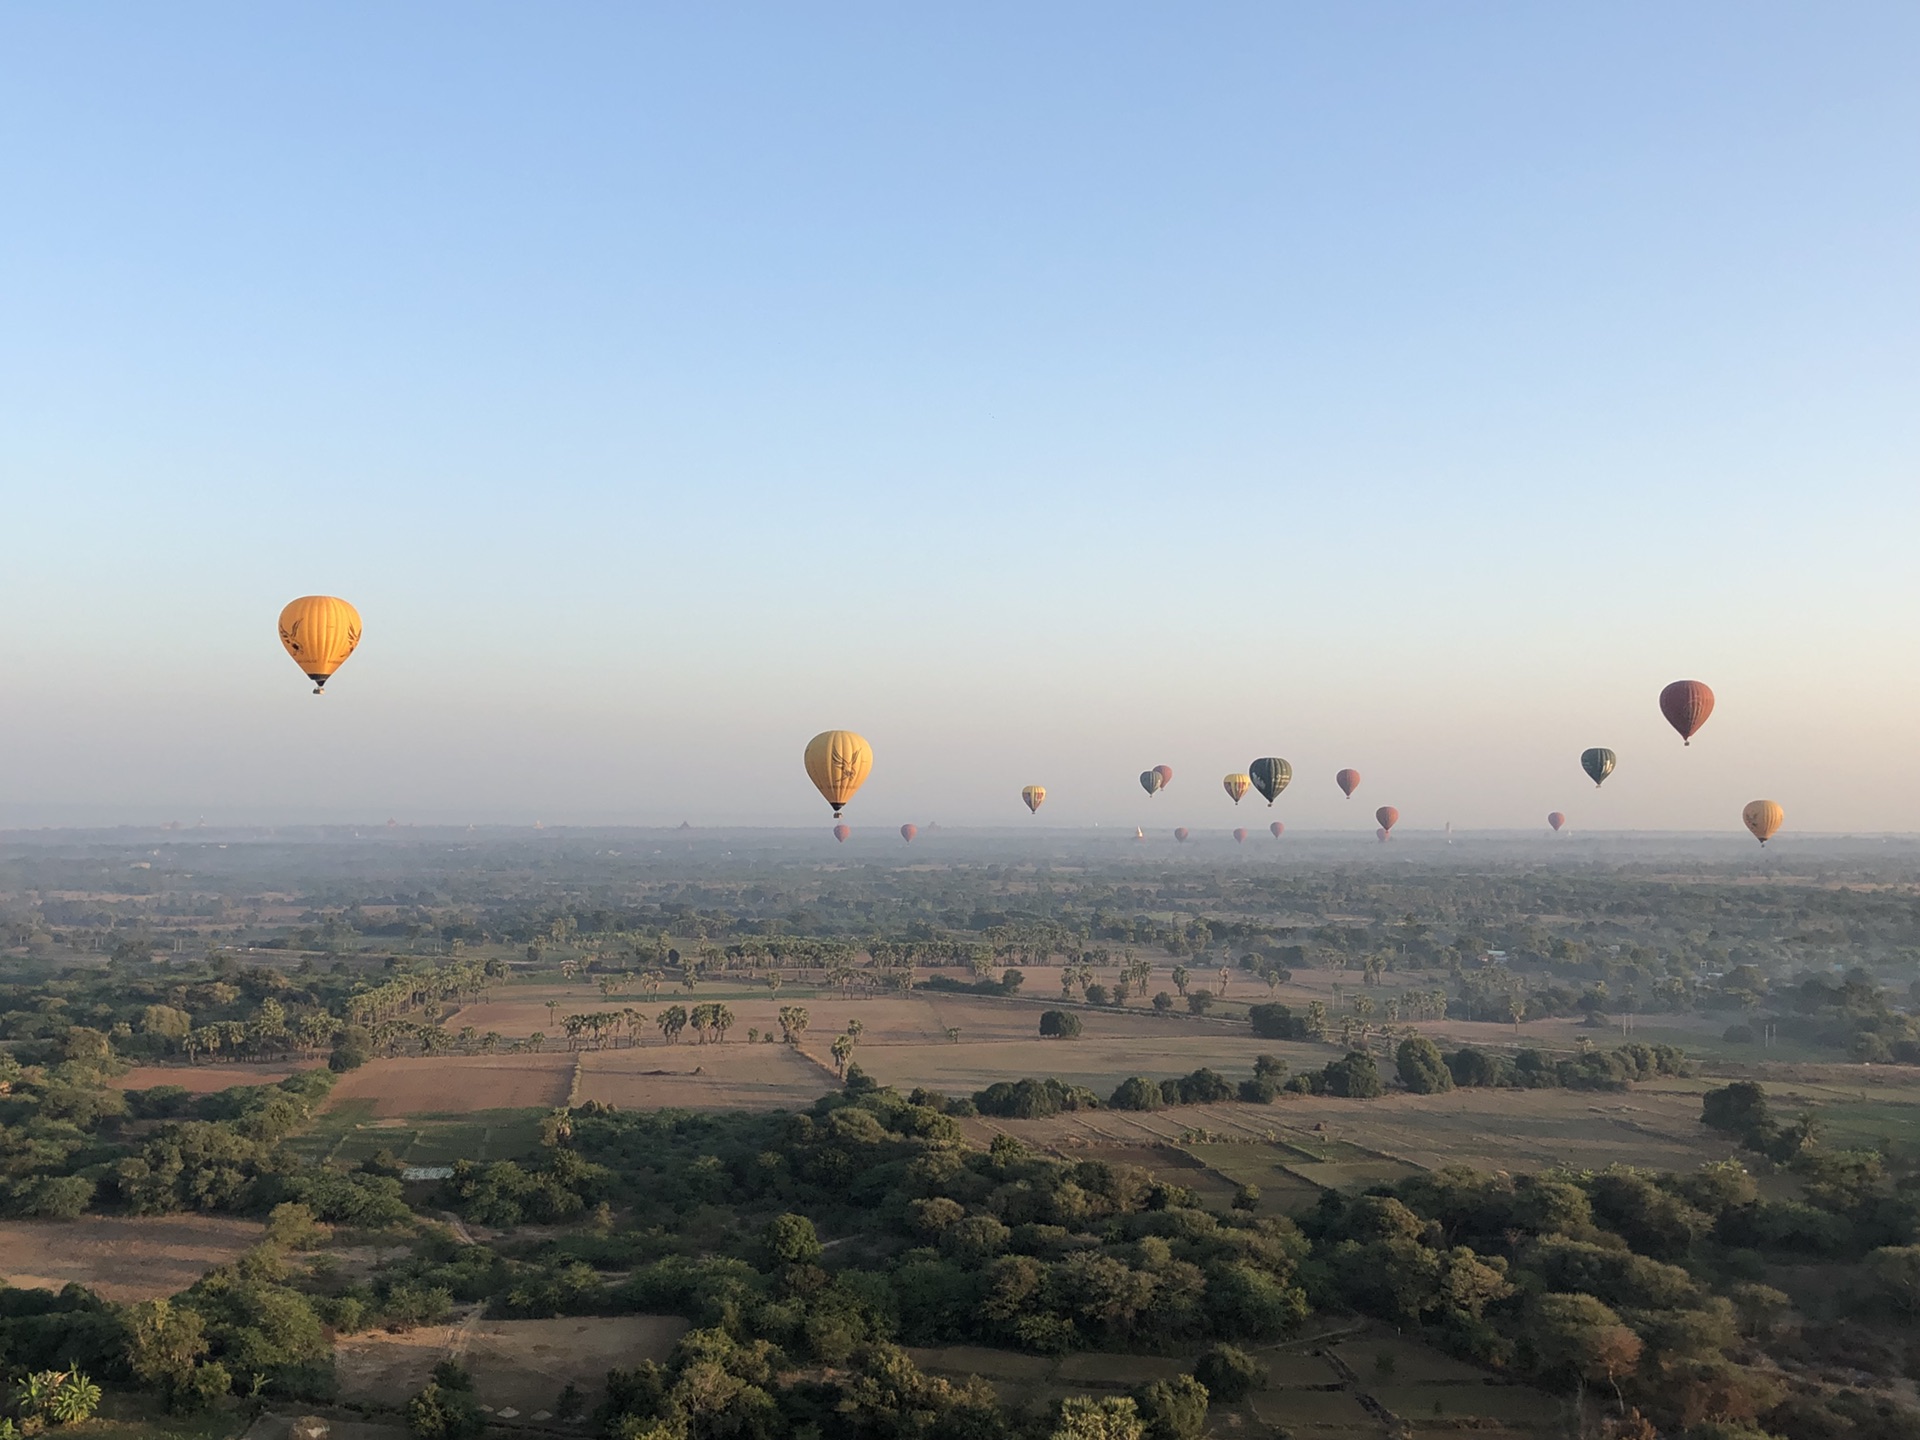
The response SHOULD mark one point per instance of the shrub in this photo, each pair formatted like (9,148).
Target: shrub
(1059,1024)
(1353,1075)
(1421,1069)
(1137,1094)
(1277,1022)
(1229,1373)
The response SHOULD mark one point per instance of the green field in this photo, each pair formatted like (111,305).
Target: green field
(348,1134)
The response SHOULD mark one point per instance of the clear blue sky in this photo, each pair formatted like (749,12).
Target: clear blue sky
(1046,391)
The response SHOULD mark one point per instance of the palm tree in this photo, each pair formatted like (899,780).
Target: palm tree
(722,1021)
(842,1052)
(535,1041)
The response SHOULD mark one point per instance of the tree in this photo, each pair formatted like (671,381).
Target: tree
(1576,1336)
(1421,1069)
(1353,1075)
(1084,1418)
(165,1343)
(1229,1373)
(793,1023)
(1199,1002)
(842,1049)
(1162,1002)
(1180,978)
(791,1240)
(1895,1270)
(1173,1409)
(1059,1024)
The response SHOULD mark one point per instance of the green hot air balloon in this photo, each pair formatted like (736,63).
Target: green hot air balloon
(1598,764)
(1270,776)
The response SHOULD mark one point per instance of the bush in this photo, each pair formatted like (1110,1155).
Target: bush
(1277,1022)
(1353,1075)
(1059,1024)
(1137,1094)
(1173,1409)
(1229,1373)
(1421,1069)
(1260,1090)
(1200,1002)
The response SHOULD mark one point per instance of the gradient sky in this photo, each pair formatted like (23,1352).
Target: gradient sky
(1045,391)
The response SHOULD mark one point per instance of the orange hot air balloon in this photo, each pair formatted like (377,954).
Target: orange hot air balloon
(1240,837)
(1035,796)
(1387,816)
(841,832)
(1556,820)
(1278,829)
(1237,785)
(838,762)
(907,832)
(1763,818)
(319,632)
(1348,781)
(1686,704)
(1181,834)
(1165,772)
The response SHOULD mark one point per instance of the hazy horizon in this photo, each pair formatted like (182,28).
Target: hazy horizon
(1046,395)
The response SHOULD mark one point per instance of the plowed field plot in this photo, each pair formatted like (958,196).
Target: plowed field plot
(729,1076)
(457,1084)
(121,1258)
(518,1364)
(200,1079)
(1656,1126)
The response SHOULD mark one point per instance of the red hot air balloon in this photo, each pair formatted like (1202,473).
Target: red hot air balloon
(1240,836)
(1556,820)
(1181,834)
(1278,829)
(1387,816)
(1165,772)
(907,832)
(841,832)
(1348,781)
(1686,704)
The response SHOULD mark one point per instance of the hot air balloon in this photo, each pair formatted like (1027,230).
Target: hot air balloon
(1686,704)
(1237,785)
(1138,833)
(1240,837)
(1763,818)
(1598,763)
(1387,816)
(1348,781)
(1270,776)
(1035,796)
(1556,820)
(1150,781)
(320,632)
(1278,829)
(841,832)
(1181,834)
(1165,772)
(838,762)
(907,832)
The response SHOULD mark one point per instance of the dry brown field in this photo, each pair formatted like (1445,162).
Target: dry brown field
(720,1076)
(201,1079)
(121,1258)
(1656,1125)
(457,1084)
(521,1364)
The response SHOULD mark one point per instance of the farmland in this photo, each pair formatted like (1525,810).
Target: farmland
(120,1258)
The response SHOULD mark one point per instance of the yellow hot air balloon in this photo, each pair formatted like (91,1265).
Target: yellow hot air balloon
(320,632)
(1763,818)
(1237,785)
(838,762)
(1035,796)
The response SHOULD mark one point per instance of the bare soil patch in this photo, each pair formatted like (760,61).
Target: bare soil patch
(457,1084)
(517,1364)
(202,1079)
(121,1258)
(720,1076)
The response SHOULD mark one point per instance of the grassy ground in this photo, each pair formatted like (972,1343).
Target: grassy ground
(349,1132)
